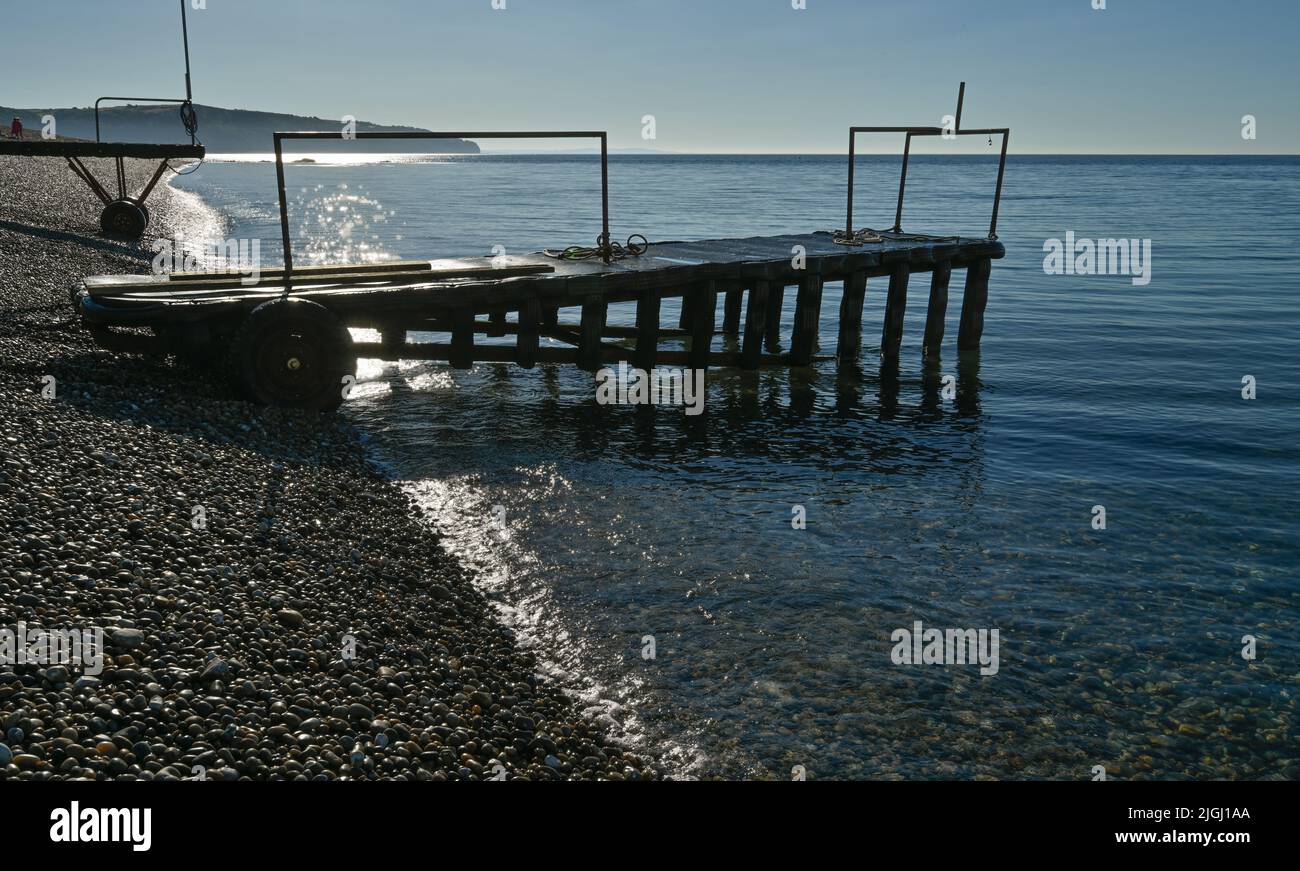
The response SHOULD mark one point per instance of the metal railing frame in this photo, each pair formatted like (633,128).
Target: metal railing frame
(1004,132)
(280,136)
(189,90)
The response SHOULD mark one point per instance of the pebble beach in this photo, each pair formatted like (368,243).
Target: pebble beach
(310,628)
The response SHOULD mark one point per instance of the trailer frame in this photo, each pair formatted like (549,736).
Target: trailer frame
(125,215)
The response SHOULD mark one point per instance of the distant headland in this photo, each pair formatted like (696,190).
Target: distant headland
(222,130)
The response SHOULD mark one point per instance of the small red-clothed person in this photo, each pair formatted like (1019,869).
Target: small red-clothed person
(16,129)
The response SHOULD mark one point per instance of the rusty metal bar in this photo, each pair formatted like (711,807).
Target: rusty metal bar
(134,100)
(148,189)
(83,172)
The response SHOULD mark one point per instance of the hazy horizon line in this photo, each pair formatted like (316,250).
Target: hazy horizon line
(637,152)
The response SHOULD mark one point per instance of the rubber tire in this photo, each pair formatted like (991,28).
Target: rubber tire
(123,218)
(142,207)
(278,333)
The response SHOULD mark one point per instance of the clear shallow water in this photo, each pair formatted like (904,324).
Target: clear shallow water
(1119,647)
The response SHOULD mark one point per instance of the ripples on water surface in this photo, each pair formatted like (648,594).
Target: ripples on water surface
(1118,647)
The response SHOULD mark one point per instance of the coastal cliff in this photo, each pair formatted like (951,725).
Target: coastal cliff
(223,131)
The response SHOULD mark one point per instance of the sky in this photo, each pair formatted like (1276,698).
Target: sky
(726,76)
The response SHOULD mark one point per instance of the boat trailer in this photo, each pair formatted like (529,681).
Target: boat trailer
(125,214)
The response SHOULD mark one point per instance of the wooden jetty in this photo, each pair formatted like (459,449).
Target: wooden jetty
(522,296)
(286,332)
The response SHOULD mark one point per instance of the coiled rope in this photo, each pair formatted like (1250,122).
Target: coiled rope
(614,250)
(867,236)
(190,121)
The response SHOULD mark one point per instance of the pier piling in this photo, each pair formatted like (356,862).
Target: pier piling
(703,309)
(731,310)
(647,328)
(529,335)
(936,309)
(891,337)
(751,349)
(684,318)
(807,318)
(462,338)
(974,299)
(775,303)
(593,322)
(851,304)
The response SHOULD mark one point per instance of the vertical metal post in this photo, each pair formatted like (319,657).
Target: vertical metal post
(997,194)
(604,196)
(961,98)
(185,38)
(189,90)
(848,219)
(284,215)
(280,136)
(902,184)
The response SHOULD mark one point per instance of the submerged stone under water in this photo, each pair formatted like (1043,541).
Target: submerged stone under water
(1119,647)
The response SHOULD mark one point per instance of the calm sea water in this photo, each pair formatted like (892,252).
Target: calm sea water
(1119,647)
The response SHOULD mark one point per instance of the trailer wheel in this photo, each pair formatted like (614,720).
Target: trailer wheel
(123,218)
(293,353)
(142,207)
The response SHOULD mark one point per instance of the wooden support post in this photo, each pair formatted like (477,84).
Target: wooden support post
(891,338)
(731,310)
(807,318)
(936,310)
(704,313)
(593,319)
(684,319)
(526,344)
(974,299)
(775,302)
(392,337)
(497,319)
(751,350)
(647,329)
(550,315)
(462,338)
(850,337)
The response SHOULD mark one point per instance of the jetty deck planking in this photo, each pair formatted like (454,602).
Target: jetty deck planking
(475,296)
